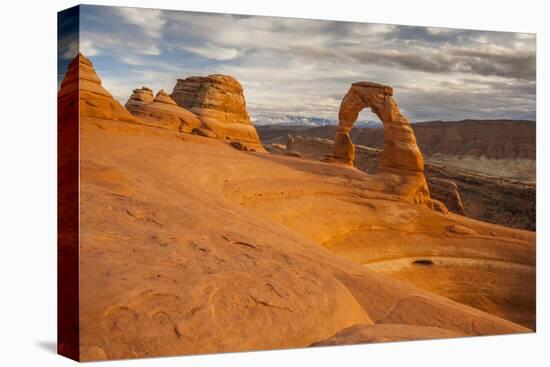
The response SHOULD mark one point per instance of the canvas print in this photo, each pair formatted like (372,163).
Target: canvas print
(238,183)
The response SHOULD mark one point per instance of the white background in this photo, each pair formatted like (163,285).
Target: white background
(28,182)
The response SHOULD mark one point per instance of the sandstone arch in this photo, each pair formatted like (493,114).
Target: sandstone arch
(401,158)
(400,150)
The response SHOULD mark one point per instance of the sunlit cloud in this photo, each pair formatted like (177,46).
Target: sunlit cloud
(151,21)
(87,48)
(211,51)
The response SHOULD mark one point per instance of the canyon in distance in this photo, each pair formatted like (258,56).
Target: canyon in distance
(202,232)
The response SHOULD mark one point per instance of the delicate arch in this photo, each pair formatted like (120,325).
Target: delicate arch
(400,150)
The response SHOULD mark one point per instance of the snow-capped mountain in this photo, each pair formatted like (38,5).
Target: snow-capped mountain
(306,121)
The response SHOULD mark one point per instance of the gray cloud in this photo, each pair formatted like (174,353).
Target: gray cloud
(517,64)
(304,67)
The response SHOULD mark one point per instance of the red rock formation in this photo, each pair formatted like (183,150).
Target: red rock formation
(218,101)
(400,149)
(204,132)
(400,155)
(82,80)
(446,191)
(161,111)
(140,96)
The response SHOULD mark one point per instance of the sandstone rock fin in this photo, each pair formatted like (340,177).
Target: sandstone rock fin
(82,83)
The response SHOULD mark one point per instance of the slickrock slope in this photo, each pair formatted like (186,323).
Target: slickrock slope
(218,100)
(161,111)
(82,80)
(179,255)
(191,246)
(483,265)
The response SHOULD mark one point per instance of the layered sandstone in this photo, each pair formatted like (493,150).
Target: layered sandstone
(82,84)
(161,111)
(140,97)
(218,100)
(400,154)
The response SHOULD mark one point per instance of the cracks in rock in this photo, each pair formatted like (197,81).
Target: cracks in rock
(272,288)
(266,304)
(246,244)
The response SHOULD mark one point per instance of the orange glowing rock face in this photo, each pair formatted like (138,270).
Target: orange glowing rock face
(180,233)
(161,111)
(219,102)
(400,155)
(95,101)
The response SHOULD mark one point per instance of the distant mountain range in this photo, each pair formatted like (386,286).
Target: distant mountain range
(304,121)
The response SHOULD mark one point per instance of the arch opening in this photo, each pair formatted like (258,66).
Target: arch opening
(367,133)
(367,118)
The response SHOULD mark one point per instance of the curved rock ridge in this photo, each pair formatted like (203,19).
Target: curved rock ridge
(161,111)
(400,154)
(218,100)
(82,83)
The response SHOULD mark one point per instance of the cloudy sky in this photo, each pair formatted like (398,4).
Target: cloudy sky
(300,67)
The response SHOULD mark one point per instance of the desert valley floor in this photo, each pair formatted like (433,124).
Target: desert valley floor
(189,245)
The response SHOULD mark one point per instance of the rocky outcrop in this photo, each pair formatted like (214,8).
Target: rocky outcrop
(218,101)
(400,154)
(204,132)
(446,191)
(161,111)
(343,147)
(140,97)
(82,84)
(289,143)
